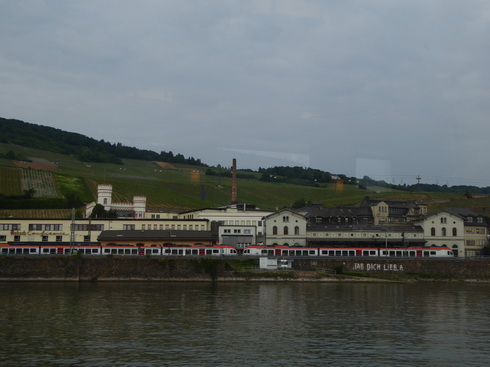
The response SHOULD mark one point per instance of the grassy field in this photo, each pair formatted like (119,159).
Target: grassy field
(187,187)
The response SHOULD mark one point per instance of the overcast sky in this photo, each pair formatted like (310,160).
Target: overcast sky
(391,89)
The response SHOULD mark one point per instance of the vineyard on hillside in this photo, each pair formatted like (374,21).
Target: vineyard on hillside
(10,181)
(41,181)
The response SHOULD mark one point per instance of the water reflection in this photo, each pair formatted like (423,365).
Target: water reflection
(244,324)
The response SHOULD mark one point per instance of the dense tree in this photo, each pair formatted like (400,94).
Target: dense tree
(100,212)
(300,203)
(73,200)
(84,148)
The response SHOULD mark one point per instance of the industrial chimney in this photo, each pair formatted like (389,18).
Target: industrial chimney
(233,183)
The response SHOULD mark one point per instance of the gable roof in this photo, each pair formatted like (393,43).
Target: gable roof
(282,211)
(434,214)
(463,212)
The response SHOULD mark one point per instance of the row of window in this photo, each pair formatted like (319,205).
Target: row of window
(237,230)
(17,238)
(241,223)
(350,234)
(443,231)
(341,220)
(45,227)
(87,227)
(99,227)
(9,227)
(155,227)
(285,230)
(53,227)
(467,220)
(475,230)
(478,220)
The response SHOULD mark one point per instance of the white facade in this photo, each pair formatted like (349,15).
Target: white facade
(445,229)
(379,236)
(238,236)
(84,230)
(285,228)
(232,216)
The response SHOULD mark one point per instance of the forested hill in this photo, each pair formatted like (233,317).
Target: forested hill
(99,151)
(82,147)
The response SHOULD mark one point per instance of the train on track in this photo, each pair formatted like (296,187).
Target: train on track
(348,251)
(222,250)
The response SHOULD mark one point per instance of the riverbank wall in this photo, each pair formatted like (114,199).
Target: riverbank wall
(392,268)
(79,268)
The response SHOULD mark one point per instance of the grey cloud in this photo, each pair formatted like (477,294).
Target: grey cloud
(338,82)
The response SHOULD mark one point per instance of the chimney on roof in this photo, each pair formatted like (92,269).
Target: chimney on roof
(233,183)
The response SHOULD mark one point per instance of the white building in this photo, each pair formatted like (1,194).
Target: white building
(136,209)
(285,228)
(239,223)
(445,229)
(55,230)
(237,235)
(475,231)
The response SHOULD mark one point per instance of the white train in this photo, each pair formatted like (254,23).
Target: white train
(409,252)
(122,250)
(223,250)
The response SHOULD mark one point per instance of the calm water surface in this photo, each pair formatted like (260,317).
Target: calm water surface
(244,324)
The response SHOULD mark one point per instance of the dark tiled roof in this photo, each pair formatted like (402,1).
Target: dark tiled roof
(395,204)
(463,212)
(363,227)
(282,211)
(239,206)
(391,203)
(164,235)
(320,211)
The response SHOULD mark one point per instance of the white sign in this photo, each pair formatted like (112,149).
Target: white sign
(377,267)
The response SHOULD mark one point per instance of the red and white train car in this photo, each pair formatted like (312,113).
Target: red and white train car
(347,251)
(223,250)
(119,250)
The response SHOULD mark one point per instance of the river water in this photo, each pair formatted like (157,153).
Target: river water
(244,324)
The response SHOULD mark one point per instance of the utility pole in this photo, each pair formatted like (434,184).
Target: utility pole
(89,230)
(418,180)
(72,230)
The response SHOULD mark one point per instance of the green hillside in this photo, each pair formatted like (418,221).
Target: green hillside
(46,168)
(186,187)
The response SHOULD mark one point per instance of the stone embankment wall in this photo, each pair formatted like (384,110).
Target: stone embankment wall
(143,268)
(108,268)
(476,268)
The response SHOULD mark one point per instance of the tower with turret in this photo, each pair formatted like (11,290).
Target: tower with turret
(104,196)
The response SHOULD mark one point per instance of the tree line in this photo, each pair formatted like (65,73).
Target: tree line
(99,151)
(27,201)
(80,146)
